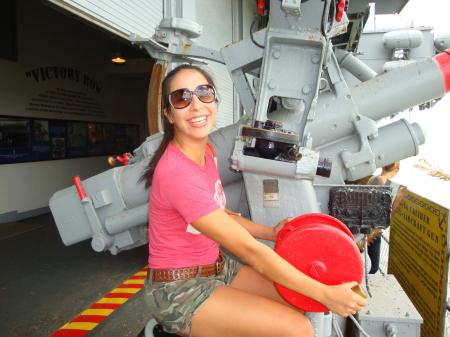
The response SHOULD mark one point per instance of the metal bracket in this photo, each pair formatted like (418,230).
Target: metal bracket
(172,42)
(366,129)
(307,166)
(291,7)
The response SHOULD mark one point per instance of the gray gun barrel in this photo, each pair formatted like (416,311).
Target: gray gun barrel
(127,219)
(395,141)
(383,96)
(405,87)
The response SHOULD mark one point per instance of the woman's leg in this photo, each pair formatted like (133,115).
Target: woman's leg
(234,312)
(249,280)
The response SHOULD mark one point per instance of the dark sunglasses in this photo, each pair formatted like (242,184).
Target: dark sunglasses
(181,98)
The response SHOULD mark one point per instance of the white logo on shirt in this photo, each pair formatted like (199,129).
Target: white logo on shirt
(219,194)
(191,229)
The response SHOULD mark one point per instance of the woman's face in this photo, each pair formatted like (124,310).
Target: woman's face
(195,121)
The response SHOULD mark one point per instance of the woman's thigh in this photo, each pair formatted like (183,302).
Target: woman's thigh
(234,312)
(249,280)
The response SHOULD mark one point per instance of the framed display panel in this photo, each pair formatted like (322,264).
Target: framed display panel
(15,140)
(25,139)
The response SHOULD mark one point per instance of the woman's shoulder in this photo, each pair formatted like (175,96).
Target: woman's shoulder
(169,162)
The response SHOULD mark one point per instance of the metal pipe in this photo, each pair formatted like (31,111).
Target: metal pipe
(395,141)
(317,321)
(123,221)
(355,66)
(397,90)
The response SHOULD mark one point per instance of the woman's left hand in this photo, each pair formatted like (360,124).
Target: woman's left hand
(344,299)
(279,226)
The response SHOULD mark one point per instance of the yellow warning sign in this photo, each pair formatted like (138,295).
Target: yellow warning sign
(418,256)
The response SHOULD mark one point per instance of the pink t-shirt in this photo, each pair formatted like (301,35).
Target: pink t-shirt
(182,192)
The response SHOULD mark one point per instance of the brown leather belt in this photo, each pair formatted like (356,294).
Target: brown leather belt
(175,274)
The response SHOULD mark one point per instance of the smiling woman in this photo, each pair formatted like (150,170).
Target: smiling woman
(192,288)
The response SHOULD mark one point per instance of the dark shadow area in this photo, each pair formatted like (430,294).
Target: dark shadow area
(44,284)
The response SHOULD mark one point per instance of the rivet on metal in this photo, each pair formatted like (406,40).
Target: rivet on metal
(271,85)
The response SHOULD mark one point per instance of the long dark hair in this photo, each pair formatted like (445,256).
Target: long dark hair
(168,127)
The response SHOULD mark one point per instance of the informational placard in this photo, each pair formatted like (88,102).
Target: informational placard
(25,139)
(40,140)
(14,140)
(418,256)
(76,139)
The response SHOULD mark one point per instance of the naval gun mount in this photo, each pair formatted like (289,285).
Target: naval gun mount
(341,128)
(271,168)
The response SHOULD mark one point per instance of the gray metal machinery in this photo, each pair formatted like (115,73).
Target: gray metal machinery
(312,106)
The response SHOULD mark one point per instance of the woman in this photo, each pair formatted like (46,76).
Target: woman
(187,223)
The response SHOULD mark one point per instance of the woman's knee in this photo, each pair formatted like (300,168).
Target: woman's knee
(309,330)
(296,326)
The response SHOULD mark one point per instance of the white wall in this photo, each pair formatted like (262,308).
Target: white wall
(28,186)
(48,38)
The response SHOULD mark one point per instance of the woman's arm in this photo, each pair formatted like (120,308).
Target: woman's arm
(225,230)
(257,230)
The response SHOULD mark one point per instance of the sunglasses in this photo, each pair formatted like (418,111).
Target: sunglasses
(181,98)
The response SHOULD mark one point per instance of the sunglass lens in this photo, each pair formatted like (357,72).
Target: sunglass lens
(181,98)
(205,93)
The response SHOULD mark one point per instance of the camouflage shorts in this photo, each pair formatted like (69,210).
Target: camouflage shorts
(172,304)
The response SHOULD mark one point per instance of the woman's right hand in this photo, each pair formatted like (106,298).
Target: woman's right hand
(342,299)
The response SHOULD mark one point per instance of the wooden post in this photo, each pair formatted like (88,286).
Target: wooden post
(154,97)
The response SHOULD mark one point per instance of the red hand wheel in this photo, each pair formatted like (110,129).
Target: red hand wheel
(321,247)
